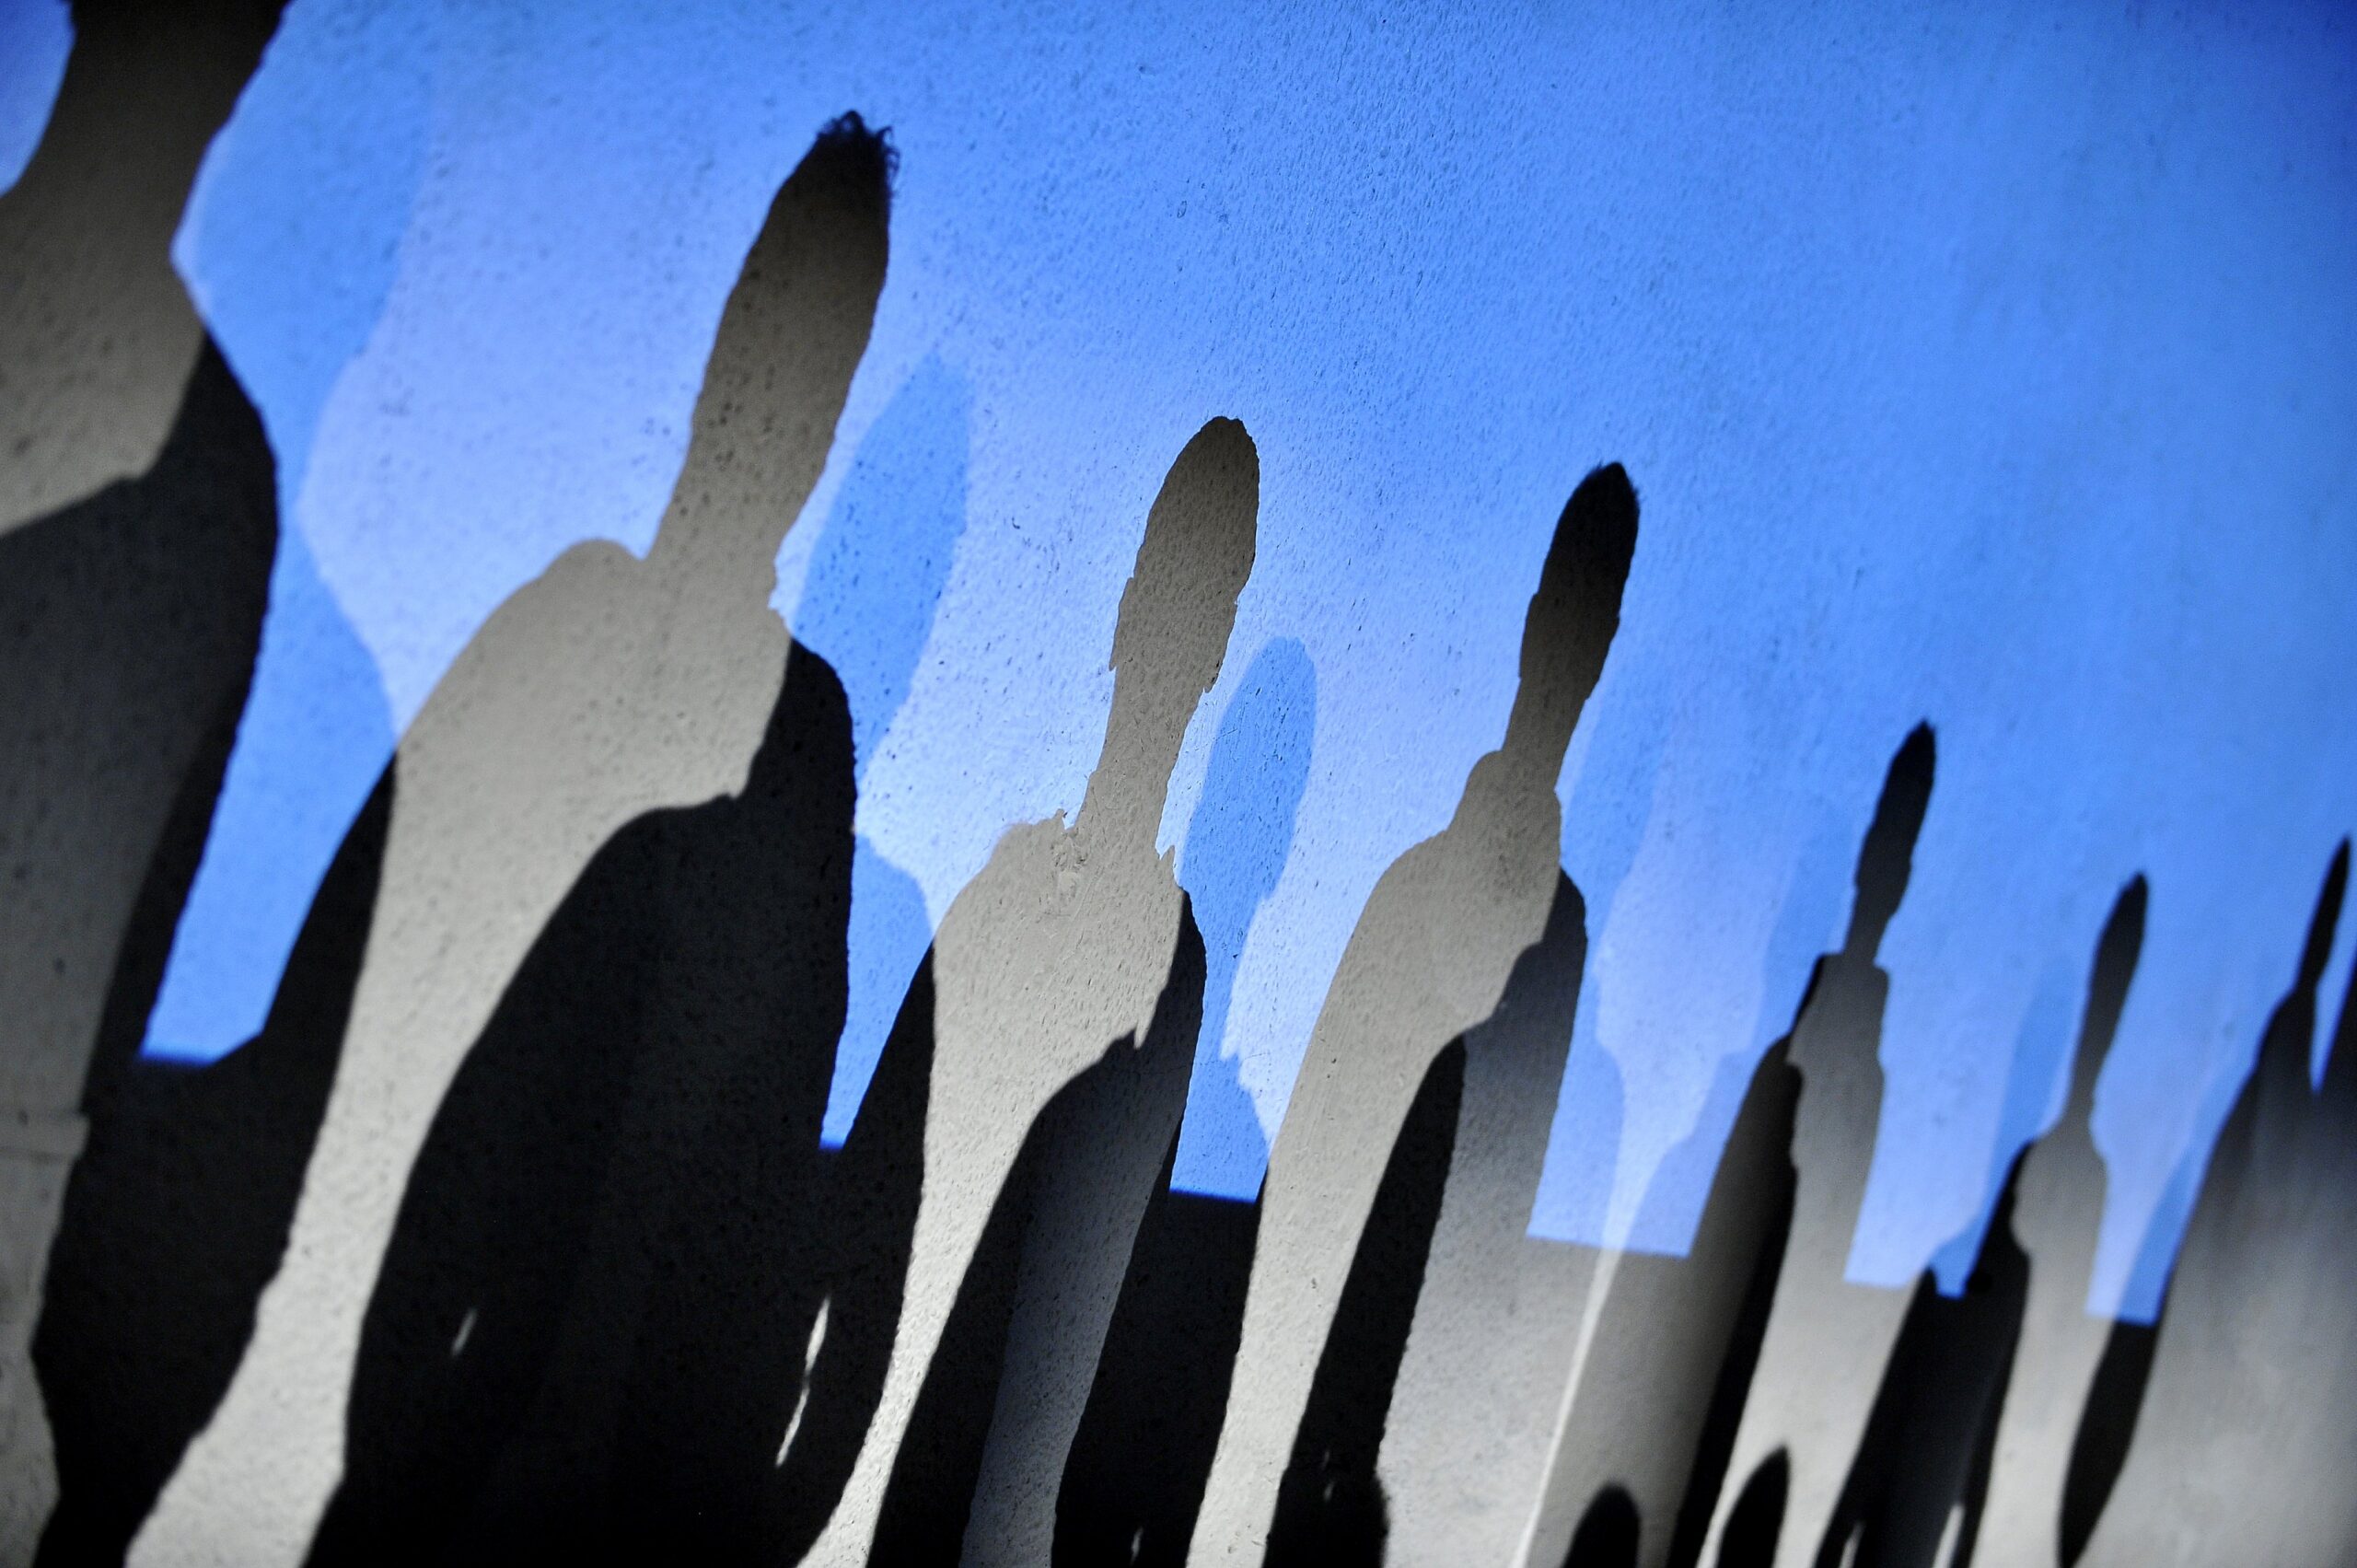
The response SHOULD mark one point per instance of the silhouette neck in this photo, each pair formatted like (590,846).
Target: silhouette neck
(1132,779)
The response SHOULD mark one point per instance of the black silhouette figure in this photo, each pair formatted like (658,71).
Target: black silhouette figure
(1757,1521)
(1069,1195)
(1915,1487)
(1499,1315)
(1330,1503)
(180,1206)
(128,625)
(663,1055)
(1134,1476)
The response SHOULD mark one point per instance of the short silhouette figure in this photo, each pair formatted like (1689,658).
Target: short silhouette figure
(1429,959)
(2249,1432)
(1059,952)
(607,688)
(2058,1213)
(97,338)
(1826,1339)
(1498,1318)
(127,623)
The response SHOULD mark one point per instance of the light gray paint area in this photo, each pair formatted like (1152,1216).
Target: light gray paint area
(607,687)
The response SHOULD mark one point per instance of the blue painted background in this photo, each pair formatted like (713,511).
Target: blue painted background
(1987,364)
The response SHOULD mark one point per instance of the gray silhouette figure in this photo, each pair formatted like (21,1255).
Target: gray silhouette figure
(2058,1213)
(1430,959)
(1828,1340)
(1498,1319)
(96,336)
(1059,948)
(606,689)
(2248,1437)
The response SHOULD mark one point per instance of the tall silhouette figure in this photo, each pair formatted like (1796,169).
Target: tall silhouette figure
(1060,952)
(178,1208)
(2058,1213)
(1827,1340)
(607,688)
(1650,1401)
(97,339)
(137,521)
(2248,1435)
(1499,1313)
(127,623)
(1429,959)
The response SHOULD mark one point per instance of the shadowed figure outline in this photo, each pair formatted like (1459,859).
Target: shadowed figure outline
(1133,1475)
(607,687)
(2247,1434)
(1808,1401)
(1063,948)
(2057,1215)
(1430,959)
(1464,1453)
(1661,1379)
(660,1058)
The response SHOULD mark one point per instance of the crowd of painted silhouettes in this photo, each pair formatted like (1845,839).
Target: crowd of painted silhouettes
(513,1235)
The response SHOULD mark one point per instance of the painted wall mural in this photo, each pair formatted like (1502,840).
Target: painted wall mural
(1011,784)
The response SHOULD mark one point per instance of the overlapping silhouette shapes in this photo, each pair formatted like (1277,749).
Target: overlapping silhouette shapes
(2056,1216)
(1430,959)
(1061,955)
(607,688)
(1808,1401)
(137,524)
(1497,1319)
(2246,1439)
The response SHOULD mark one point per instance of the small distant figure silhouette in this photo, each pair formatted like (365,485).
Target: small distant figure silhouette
(1429,959)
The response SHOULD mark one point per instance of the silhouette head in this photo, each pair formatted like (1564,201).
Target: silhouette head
(2117,950)
(2289,1047)
(1888,857)
(1573,616)
(1179,605)
(790,337)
